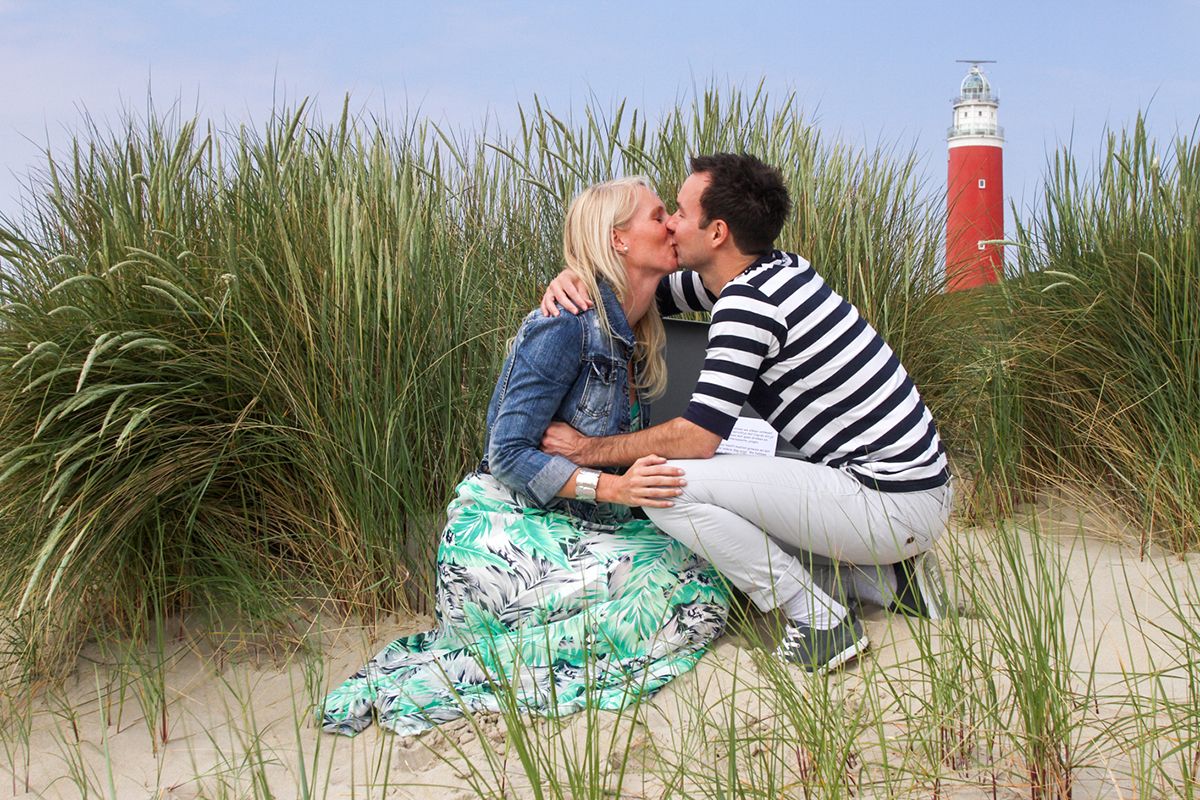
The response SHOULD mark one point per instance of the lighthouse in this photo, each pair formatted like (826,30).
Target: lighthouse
(974,185)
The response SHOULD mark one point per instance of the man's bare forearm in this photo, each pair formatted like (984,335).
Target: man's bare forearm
(676,438)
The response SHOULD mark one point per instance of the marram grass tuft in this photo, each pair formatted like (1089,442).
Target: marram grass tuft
(243,369)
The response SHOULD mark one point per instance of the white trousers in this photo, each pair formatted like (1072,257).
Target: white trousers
(762,522)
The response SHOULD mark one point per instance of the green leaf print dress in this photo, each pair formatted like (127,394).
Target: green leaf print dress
(543,608)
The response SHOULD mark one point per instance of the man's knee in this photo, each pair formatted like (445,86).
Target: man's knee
(661,517)
(678,521)
(708,483)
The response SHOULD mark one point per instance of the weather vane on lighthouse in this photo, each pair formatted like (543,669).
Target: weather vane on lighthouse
(974,184)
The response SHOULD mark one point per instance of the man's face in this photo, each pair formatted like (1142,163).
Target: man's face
(691,241)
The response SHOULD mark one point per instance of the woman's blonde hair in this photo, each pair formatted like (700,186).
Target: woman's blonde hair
(589,254)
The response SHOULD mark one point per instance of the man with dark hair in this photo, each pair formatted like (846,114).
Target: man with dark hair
(871,489)
(748,194)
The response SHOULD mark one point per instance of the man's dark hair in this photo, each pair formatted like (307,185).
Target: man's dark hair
(748,194)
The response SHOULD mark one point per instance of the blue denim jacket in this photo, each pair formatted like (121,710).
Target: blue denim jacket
(558,368)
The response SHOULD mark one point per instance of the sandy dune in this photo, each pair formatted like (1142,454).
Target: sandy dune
(238,722)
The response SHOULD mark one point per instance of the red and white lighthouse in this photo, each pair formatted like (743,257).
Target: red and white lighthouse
(974,186)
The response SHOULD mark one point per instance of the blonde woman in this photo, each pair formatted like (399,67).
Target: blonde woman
(550,591)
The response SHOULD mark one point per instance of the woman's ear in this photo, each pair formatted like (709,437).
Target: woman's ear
(618,244)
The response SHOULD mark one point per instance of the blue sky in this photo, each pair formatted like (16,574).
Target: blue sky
(865,72)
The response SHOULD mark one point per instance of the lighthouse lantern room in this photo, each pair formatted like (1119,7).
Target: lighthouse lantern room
(974,186)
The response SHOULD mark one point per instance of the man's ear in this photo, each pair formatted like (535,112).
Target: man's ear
(718,233)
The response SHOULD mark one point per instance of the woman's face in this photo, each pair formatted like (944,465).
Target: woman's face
(651,247)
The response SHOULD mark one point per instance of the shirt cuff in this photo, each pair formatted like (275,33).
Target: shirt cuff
(544,486)
(710,419)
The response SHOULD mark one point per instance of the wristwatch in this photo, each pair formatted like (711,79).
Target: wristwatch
(586,482)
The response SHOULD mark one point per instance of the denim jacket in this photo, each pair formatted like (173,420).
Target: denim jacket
(558,368)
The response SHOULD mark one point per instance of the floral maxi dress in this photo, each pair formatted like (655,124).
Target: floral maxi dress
(542,610)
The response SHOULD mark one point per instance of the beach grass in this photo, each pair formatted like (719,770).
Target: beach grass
(242,370)
(1094,368)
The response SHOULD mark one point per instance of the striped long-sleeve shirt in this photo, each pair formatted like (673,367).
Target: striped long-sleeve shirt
(810,365)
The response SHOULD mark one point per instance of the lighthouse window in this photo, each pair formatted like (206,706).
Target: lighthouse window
(982,183)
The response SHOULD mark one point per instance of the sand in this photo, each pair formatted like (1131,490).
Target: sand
(237,722)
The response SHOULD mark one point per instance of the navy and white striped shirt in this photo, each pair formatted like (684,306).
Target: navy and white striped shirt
(810,365)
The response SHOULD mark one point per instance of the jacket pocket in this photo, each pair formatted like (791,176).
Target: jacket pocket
(604,380)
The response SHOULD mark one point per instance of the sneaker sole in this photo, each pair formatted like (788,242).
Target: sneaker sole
(845,657)
(931,584)
(853,651)
(927,582)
